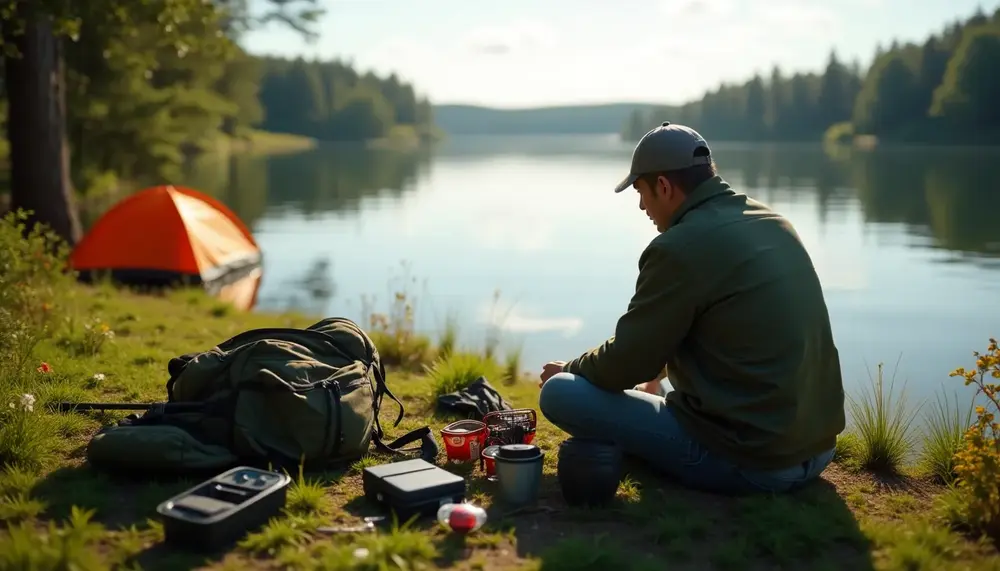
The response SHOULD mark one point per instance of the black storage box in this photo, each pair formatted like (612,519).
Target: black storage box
(219,511)
(412,488)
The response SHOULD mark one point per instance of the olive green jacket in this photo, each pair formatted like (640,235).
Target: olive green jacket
(728,300)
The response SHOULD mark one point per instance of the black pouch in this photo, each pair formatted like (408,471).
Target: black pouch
(412,488)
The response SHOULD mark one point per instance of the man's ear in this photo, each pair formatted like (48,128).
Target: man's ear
(662,185)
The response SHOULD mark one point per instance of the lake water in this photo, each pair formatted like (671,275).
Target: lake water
(526,233)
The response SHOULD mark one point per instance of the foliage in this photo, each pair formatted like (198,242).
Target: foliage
(970,89)
(449,337)
(140,91)
(945,429)
(396,337)
(941,90)
(847,449)
(459,370)
(839,133)
(67,545)
(333,101)
(883,427)
(70,516)
(34,280)
(512,365)
(148,84)
(798,107)
(34,286)
(977,464)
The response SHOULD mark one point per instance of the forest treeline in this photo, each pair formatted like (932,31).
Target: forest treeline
(944,90)
(332,101)
(136,107)
(107,90)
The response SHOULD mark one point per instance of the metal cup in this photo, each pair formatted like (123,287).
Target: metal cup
(519,473)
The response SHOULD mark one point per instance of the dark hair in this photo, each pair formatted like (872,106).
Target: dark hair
(686,179)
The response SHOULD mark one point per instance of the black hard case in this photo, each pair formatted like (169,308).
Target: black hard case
(412,488)
(221,510)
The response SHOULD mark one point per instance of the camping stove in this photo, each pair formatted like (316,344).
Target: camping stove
(509,427)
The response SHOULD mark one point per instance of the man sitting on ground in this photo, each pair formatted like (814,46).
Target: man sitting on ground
(729,305)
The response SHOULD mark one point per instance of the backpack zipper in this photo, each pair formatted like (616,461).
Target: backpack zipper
(338,431)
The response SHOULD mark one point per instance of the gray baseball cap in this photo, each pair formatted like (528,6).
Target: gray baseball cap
(665,148)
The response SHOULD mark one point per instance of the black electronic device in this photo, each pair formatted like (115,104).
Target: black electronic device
(219,511)
(412,488)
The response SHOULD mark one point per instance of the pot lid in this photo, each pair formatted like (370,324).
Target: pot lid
(518,451)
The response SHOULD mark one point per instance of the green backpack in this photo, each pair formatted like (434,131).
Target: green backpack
(272,396)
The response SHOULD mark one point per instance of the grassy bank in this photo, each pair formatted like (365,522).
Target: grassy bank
(61,341)
(109,187)
(262,142)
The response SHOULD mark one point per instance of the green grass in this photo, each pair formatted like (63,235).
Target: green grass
(512,365)
(449,336)
(882,426)
(58,513)
(261,143)
(945,426)
(458,370)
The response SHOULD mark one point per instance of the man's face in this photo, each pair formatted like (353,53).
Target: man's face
(658,200)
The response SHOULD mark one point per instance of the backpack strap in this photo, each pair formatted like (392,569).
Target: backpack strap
(428,448)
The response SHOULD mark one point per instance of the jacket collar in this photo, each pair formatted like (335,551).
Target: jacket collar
(711,188)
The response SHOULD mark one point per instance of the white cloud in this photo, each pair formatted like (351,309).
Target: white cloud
(687,10)
(799,17)
(513,38)
(698,44)
(517,322)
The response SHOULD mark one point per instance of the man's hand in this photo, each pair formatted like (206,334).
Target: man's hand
(651,387)
(550,369)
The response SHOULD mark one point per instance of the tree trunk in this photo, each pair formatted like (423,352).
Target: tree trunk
(36,126)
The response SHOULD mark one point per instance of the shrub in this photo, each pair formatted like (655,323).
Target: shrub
(26,433)
(512,365)
(946,427)
(395,335)
(882,426)
(839,133)
(33,284)
(449,337)
(458,370)
(847,448)
(34,279)
(977,464)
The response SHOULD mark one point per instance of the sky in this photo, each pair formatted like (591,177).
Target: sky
(524,53)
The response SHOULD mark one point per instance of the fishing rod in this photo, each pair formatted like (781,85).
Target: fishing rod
(151,406)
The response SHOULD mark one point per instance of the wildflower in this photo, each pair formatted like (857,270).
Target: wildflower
(44,368)
(28,402)
(99,377)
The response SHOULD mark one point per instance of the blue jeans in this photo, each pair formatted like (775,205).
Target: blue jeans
(645,426)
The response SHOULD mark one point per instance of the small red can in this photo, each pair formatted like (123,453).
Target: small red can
(489,464)
(463,440)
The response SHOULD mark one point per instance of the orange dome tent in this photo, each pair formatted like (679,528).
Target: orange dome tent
(165,235)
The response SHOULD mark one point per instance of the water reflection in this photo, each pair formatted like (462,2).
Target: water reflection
(329,179)
(241,293)
(947,195)
(311,292)
(380,206)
